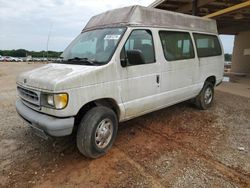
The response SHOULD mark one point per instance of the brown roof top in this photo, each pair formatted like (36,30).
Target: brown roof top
(144,16)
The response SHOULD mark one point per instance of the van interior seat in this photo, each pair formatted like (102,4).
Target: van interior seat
(148,53)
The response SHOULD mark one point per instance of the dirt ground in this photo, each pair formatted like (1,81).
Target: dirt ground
(236,84)
(179,146)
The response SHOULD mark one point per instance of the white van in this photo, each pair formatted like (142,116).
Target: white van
(125,63)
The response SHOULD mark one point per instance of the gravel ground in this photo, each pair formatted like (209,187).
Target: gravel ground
(179,146)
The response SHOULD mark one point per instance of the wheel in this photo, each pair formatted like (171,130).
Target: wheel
(204,100)
(96,132)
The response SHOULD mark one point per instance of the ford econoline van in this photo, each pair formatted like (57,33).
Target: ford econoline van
(125,63)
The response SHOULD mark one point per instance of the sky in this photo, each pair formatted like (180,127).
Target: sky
(26,24)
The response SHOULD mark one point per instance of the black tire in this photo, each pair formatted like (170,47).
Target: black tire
(96,119)
(203,102)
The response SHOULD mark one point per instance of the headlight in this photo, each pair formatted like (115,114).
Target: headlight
(58,101)
(50,99)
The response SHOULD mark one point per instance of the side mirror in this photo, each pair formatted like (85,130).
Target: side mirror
(135,57)
(124,62)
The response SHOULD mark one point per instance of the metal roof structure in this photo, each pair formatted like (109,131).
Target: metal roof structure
(144,16)
(232,16)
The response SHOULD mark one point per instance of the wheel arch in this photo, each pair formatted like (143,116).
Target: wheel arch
(107,102)
(211,79)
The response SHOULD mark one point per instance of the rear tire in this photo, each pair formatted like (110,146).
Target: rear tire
(96,132)
(204,100)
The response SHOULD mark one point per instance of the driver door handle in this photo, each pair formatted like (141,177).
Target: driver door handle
(157,79)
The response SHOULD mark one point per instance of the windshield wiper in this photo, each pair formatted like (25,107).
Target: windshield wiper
(84,60)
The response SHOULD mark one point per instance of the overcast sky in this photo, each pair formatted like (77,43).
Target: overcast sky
(26,23)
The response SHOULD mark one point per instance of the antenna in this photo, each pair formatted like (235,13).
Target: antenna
(50,29)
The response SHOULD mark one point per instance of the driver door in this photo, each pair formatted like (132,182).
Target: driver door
(140,81)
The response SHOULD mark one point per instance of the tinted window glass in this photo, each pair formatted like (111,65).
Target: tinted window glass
(207,45)
(176,45)
(141,40)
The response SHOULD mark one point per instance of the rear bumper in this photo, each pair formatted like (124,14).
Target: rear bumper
(44,124)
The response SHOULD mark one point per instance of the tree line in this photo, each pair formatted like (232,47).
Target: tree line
(228,57)
(24,53)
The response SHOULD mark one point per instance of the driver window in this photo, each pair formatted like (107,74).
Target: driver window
(142,42)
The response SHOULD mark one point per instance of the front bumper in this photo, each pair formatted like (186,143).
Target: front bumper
(44,124)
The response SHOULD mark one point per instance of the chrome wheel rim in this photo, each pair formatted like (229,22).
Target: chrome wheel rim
(103,133)
(208,96)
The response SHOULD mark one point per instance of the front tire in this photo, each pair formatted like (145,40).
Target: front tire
(97,132)
(204,100)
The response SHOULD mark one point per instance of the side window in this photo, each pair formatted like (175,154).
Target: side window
(140,41)
(176,45)
(207,45)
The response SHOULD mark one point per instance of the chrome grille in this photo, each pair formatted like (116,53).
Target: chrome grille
(30,97)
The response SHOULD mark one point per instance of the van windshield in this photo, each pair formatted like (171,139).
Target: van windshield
(94,47)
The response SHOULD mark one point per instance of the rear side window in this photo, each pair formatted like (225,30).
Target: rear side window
(207,45)
(176,45)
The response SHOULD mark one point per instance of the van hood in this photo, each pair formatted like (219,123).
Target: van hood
(54,77)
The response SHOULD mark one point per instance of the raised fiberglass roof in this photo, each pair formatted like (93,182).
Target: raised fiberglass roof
(144,16)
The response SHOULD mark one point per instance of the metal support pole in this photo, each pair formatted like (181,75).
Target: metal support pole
(194,7)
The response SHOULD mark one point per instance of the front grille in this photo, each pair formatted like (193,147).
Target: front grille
(30,97)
